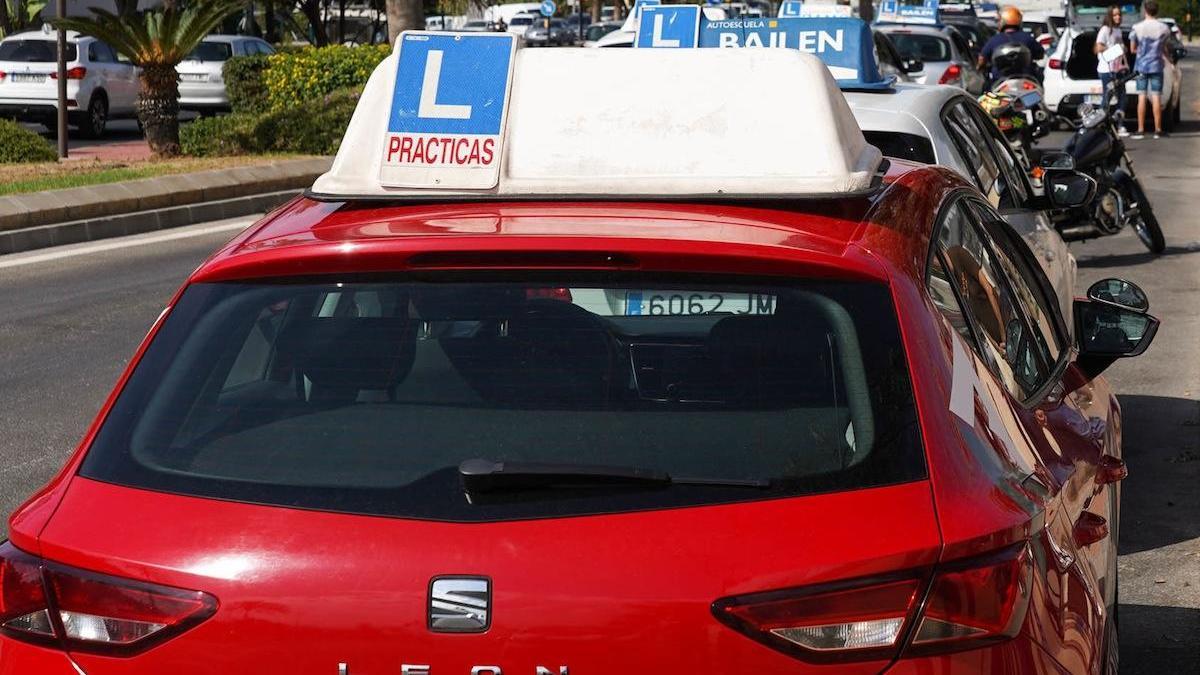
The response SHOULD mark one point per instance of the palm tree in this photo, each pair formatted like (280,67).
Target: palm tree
(156,41)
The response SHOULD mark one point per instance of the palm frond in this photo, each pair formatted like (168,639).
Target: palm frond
(155,37)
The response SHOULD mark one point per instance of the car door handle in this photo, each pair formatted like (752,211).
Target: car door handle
(1112,469)
(1089,529)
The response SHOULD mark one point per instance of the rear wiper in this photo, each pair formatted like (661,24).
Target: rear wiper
(485,475)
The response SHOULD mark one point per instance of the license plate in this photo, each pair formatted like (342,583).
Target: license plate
(192,77)
(27,78)
(1094,99)
(696,303)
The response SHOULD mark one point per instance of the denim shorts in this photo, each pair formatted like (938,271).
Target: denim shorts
(1152,80)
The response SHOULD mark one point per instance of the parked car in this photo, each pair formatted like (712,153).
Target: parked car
(551,32)
(766,407)
(595,31)
(201,78)
(521,23)
(100,86)
(945,52)
(1070,78)
(478,26)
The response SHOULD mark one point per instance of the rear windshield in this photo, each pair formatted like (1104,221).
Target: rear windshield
(902,146)
(33,51)
(366,396)
(211,51)
(521,21)
(928,47)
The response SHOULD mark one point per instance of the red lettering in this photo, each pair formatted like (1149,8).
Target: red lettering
(406,144)
(418,155)
(487,151)
(433,149)
(461,150)
(473,158)
(393,146)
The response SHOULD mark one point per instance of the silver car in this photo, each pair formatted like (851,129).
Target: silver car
(544,33)
(944,51)
(201,81)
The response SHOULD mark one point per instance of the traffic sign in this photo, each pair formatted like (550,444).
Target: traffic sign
(448,110)
(790,8)
(548,8)
(668,26)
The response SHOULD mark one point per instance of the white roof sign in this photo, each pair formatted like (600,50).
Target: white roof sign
(600,123)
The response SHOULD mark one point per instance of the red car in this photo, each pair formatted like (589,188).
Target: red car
(470,435)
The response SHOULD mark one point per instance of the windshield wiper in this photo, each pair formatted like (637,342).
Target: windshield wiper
(485,475)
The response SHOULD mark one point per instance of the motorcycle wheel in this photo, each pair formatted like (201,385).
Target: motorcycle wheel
(1146,226)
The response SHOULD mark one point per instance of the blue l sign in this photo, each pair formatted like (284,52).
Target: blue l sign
(669,26)
(790,8)
(448,109)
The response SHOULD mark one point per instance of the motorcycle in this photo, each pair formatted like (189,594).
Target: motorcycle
(1027,121)
(1096,150)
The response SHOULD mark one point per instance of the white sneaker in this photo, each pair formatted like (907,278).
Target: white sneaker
(1122,132)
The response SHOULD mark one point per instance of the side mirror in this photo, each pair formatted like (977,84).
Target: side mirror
(1068,189)
(1111,324)
(1057,159)
(911,64)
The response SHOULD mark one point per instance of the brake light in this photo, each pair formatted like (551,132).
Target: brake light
(848,623)
(951,74)
(76,73)
(1054,64)
(563,294)
(83,611)
(966,604)
(1028,85)
(977,604)
(3,74)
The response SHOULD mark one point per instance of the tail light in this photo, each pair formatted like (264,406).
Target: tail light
(976,603)
(46,603)
(963,606)
(76,73)
(1028,85)
(563,294)
(1054,64)
(827,624)
(3,74)
(951,74)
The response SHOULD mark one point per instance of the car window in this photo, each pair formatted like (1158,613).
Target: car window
(1040,309)
(972,147)
(1001,336)
(902,146)
(960,44)
(211,51)
(883,51)
(1011,184)
(98,52)
(34,51)
(521,21)
(366,396)
(927,47)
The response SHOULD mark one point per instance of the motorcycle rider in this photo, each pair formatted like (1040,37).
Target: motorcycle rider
(1010,32)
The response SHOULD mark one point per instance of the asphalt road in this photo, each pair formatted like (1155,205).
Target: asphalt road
(73,316)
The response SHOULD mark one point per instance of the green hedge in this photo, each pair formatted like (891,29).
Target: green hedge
(245,82)
(19,145)
(292,79)
(314,129)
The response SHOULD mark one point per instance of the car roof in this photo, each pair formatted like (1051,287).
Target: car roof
(39,35)
(311,237)
(916,29)
(227,38)
(912,109)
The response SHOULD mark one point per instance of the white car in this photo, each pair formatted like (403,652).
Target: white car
(944,125)
(945,52)
(1070,77)
(99,86)
(201,78)
(521,23)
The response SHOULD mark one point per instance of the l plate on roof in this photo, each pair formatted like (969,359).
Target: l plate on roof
(602,124)
(897,11)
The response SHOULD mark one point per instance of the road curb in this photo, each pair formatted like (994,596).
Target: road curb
(139,222)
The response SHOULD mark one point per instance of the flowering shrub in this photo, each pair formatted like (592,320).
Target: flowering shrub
(295,78)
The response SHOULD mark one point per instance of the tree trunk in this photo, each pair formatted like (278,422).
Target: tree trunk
(6,27)
(311,9)
(596,4)
(866,10)
(270,31)
(158,109)
(404,15)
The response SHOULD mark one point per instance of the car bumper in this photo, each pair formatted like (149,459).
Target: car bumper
(203,96)
(19,658)
(1020,656)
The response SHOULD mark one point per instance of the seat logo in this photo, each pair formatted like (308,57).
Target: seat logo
(460,604)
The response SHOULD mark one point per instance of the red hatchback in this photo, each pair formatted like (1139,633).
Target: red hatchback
(472,436)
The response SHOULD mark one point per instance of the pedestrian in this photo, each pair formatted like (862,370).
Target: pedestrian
(1148,40)
(1111,62)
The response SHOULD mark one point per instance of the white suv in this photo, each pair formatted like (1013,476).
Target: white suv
(99,87)
(1070,78)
